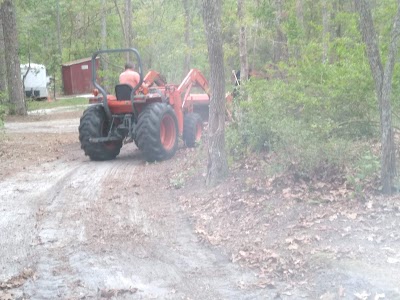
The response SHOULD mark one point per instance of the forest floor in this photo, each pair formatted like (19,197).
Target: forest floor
(71,228)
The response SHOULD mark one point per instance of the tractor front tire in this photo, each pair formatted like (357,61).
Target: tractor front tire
(157,132)
(192,129)
(94,124)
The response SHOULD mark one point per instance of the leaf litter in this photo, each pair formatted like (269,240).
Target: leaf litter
(287,229)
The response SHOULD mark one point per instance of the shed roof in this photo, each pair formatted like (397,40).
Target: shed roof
(78,61)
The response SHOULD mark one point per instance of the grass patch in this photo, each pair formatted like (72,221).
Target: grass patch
(3,109)
(36,105)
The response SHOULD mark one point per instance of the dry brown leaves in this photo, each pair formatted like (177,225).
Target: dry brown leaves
(111,293)
(18,280)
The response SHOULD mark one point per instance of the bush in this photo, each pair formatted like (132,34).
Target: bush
(364,172)
(310,120)
(3,107)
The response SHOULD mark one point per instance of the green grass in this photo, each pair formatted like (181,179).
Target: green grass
(35,105)
(3,109)
(38,105)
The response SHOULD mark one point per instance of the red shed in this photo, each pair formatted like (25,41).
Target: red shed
(77,76)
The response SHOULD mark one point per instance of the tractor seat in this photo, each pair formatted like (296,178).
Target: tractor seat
(123,91)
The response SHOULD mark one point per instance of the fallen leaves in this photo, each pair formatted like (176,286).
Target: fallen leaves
(5,295)
(328,296)
(110,293)
(351,216)
(286,228)
(392,260)
(18,280)
(362,295)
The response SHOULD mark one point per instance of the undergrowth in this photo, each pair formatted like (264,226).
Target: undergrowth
(3,108)
(35,105)
(317,123)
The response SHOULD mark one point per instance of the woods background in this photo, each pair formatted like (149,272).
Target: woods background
(311,101)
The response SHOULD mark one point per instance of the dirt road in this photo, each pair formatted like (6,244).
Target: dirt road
(75,229)
(124,229)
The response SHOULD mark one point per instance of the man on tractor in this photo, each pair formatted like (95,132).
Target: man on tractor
(153,120)
(129,76)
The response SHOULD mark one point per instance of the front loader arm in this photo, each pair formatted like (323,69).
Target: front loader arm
(194,78)
(184,103)
(154,77)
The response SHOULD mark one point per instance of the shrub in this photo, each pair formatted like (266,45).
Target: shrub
(3,107)
(310,120)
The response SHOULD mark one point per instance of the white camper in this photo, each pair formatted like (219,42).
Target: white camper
(35,80)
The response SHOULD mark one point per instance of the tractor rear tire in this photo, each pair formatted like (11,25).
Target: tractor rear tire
(94,124)
(192,129)
(157,132)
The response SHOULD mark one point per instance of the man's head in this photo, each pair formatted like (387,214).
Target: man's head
(129,66)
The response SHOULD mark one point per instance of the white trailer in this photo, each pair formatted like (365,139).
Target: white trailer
(35,81)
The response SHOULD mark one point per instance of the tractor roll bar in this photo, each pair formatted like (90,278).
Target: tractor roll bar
(100,88)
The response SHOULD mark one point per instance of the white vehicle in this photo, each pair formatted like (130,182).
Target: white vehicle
(35,81)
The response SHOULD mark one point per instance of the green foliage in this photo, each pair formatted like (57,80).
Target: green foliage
(3,97)
(2,114)
(37,105)
(177,181)
(3,107)
(311,118)
(364,171)
(343,93)
(309,113)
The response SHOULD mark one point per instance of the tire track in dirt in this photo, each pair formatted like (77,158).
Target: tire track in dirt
(55,126)
(60,230)
(86,228)
(19,204)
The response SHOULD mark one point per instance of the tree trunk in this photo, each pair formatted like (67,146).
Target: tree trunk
(120,21)
(14,82)
(325,31)
(280,44)
(128,26)
(59,37)
(104,62)
(187,62)
(3,71)
(244,67)
(383,86)
(300,24)
(338,7)
(60,49)
(217,168)
(300,14)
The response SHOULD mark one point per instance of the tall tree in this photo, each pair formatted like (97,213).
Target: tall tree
(59,35)
(383,85)
(3,71)
(299,6)
(244,66)
(280,43)
(217,167)
(186,65)
(128,26)
(104,41)
(325,31)
(14,82)
(300,14)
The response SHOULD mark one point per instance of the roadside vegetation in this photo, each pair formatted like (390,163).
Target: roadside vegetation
(36,105)
(33,105)
(3,107)
(314,120)
(310,107)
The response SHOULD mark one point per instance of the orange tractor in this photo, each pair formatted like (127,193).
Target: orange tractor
(153,115)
